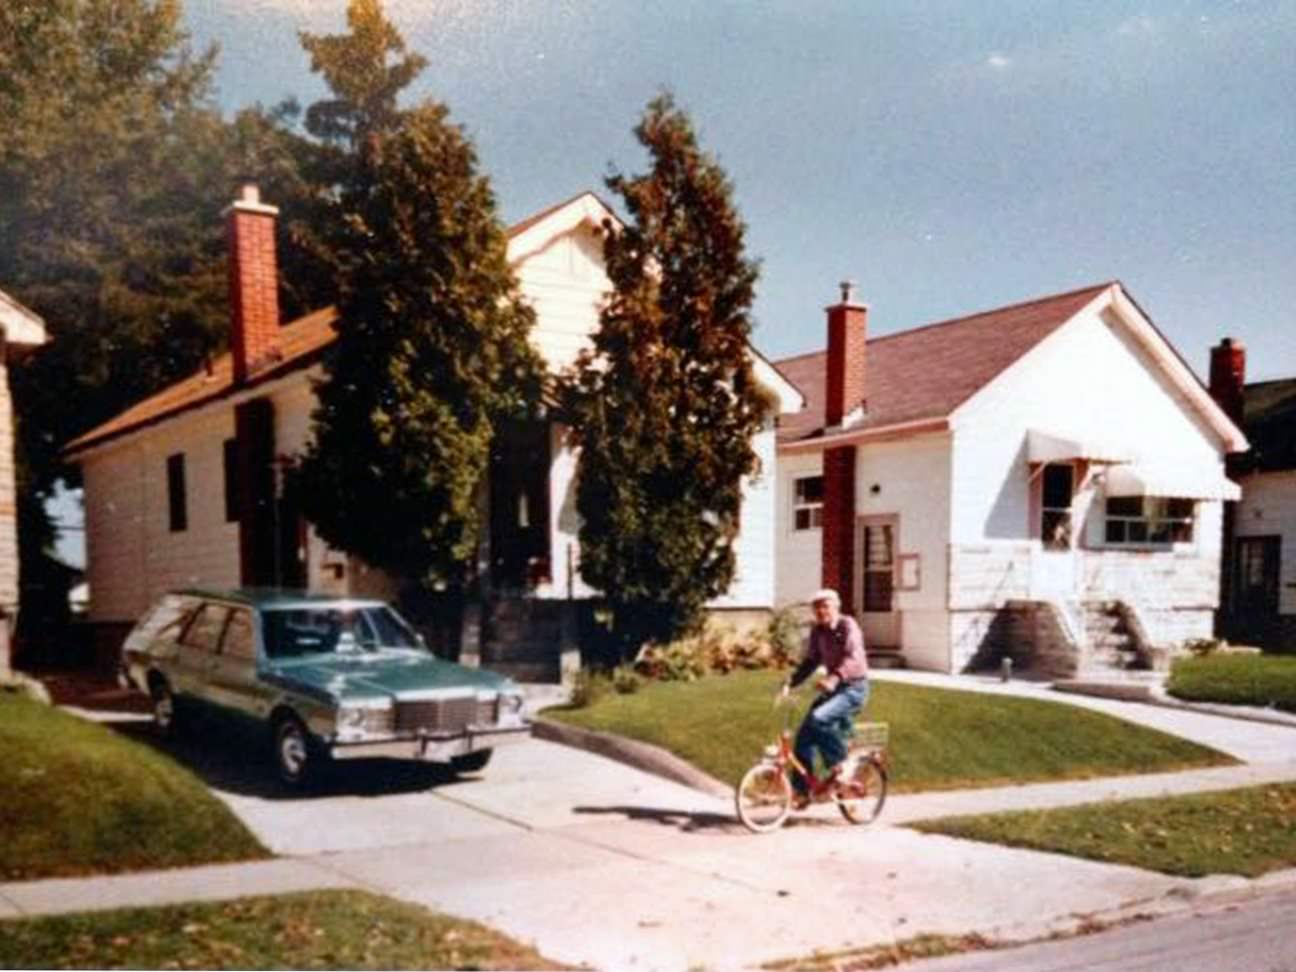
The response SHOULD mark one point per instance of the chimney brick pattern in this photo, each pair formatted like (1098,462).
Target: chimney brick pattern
(1228,377)
(253,284)
(847,357)
(838,557)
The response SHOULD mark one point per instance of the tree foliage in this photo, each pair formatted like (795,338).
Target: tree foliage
(664,405)
(432,348)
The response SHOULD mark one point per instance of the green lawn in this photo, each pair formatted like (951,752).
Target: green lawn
(1249,831)
(1264,680)
(940,739)
(315,930)
(80,799)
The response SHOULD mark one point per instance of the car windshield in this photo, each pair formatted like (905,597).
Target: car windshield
(329,629)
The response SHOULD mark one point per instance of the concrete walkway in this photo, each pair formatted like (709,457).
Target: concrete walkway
(593,861)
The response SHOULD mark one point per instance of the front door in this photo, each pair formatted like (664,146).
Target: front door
(519,506)
(876,594)
(1255,586)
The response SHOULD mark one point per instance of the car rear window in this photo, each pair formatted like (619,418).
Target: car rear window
(295,632)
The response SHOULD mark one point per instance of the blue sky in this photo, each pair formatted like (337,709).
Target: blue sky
(949,156)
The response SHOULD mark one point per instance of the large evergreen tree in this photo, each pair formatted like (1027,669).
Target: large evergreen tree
(664,406)
(432,346)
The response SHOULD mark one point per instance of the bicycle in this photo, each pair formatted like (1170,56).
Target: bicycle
(764,795)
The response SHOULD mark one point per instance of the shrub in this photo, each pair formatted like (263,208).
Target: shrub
(718,649)
(1201,647)
(625,680)
(588,687)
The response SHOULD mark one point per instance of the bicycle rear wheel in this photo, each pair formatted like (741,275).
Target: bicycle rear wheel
(861,794)
(763,798)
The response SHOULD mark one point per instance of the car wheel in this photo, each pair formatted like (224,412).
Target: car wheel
(166,709)
(297,759)
(472,762)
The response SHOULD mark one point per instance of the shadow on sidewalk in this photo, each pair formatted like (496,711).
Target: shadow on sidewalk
(686,821)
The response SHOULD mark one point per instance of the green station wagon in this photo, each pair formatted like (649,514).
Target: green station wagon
(328,678)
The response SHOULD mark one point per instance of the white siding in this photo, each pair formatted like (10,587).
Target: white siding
(132,554)
(1268,508)
(566,285)
(753,584)
(1087,382)
(912,480)
(798,552)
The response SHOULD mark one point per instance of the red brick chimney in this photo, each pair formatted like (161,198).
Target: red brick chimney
(253,282)
(1228,376)
(847,356)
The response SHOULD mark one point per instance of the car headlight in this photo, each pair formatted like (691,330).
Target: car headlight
(351,718)
(512,704)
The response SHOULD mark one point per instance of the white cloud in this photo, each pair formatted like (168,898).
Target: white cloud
(999,62)
(1141,26)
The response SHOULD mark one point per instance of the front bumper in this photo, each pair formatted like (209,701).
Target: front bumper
(432,748)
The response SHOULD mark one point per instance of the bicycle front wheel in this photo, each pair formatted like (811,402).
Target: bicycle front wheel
(860,796)
(763,798)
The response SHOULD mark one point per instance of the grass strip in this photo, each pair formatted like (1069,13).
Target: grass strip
(81,799)
(1236,679)
(313,930)
(940,738)
(1248,831)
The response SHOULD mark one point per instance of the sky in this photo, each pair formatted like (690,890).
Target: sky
(949,157)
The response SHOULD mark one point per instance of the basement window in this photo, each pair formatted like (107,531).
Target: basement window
(1148,521)
(807,502)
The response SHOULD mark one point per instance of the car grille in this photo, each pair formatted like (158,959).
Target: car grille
(488,711)
(380,721)
(436,715)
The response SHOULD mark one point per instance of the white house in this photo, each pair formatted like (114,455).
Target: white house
(182,489)
(1259,563)
(20,331)
(1044,480)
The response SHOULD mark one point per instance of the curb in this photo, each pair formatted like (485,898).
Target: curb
(1161,698)
(640,755)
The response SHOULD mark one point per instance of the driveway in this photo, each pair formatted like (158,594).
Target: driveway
(598,863)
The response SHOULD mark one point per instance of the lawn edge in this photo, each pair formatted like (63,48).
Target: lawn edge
(641,755)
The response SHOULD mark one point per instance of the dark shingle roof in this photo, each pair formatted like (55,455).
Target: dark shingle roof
(1269,421)
(927,372)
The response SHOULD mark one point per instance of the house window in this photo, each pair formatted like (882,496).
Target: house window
(1149,520)
(178,513)
(231,481)
(807,502)
(1055,508)
(879,566)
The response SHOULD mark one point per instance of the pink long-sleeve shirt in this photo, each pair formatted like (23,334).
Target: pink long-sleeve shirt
(839,649)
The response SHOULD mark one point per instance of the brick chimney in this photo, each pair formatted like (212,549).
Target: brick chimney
(847,357)
(253,282)
(1228,376)
(847,332)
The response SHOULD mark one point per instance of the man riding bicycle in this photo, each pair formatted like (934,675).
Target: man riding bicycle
(837,643)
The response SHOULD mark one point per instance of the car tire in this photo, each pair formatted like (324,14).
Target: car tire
(166,709)
(298,759)
(472,762)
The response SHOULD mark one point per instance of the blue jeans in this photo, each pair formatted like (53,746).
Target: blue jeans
(826,727)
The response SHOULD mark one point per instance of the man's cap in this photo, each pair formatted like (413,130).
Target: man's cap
(825,594)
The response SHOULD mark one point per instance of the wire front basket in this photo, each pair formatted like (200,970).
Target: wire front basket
(870,735)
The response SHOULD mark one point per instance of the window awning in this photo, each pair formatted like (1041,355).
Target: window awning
(1047,447)
(1141,479)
